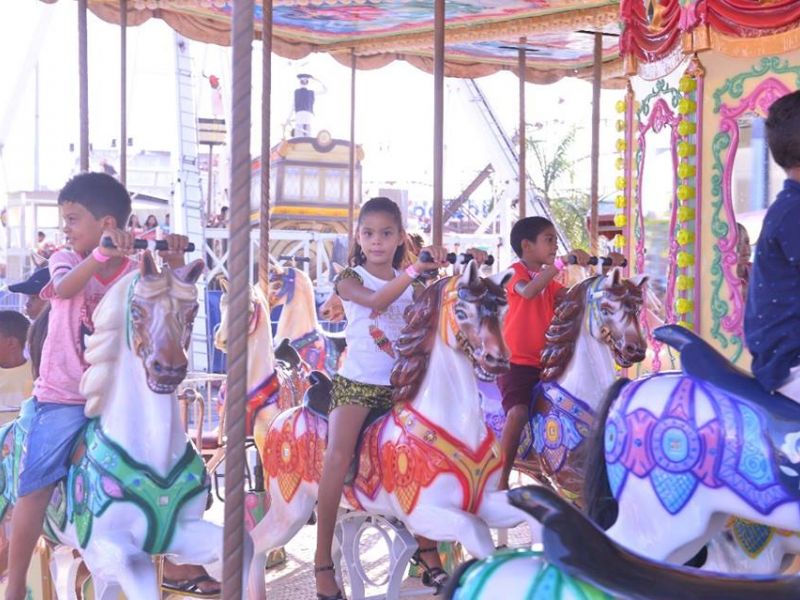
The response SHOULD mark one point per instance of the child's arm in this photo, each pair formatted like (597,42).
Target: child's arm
(68,283)
(353,290)
(538,284)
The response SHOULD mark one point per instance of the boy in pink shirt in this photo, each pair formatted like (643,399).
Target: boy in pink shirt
(93,205)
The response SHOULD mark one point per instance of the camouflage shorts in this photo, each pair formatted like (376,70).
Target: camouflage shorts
(347,392)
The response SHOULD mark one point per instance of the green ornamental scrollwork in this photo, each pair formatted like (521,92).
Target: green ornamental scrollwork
(661,89)
(733,88)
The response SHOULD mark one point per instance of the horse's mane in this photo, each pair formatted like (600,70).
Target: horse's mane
(564,331)
(102,347)
(415,343)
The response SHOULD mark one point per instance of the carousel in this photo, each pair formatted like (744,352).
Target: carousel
(650,445)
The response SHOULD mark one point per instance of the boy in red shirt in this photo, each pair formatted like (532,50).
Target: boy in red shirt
(533,294)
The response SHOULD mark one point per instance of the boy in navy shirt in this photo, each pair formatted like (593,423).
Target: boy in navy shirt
(772,315)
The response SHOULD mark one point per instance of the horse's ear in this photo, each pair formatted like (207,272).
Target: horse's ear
(501,279)
(639,280)
(337,268)
(224,284)
(190,273)
(147,266)
(470,275)
(615,277)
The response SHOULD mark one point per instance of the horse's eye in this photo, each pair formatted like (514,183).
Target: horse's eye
(605,311)
(136,312)
(460,314)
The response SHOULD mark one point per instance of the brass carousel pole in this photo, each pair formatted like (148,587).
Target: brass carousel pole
(438,122)
(83,85)
(351,203)
(523,173)
(596,82)
(239,268)
(123,91)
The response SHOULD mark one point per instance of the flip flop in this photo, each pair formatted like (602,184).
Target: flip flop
(191,587)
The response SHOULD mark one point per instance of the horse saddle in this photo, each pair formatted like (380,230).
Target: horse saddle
(701,361)
(317,399)
(286,353)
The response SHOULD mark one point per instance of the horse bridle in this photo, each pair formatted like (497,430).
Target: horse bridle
(287,283)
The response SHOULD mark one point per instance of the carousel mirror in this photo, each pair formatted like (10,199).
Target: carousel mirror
(756,180)
(654,221)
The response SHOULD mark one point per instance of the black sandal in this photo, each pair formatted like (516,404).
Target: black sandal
(338,595)
(435,577)
(192,587)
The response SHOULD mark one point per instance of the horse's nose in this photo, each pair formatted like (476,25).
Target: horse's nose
(162,370)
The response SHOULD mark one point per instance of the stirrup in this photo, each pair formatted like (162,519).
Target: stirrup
(434,577)
(338,595)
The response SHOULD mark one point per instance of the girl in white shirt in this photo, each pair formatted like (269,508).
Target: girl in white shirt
(375,294)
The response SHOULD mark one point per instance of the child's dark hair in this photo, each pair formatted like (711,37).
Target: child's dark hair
(528,228)
(14,324)
(100,194)
(379,204)
(783,130)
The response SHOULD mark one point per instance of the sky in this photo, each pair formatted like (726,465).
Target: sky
(394,104)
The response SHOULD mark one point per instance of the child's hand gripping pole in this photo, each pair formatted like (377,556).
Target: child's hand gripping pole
(151,245)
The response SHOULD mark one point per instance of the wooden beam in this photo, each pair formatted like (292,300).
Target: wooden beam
(83,84)
(596,82)
(437,228)
(523,173)
(351,200)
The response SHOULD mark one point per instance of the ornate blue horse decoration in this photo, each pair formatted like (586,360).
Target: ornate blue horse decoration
(680,453)
(579,562)
(137,486)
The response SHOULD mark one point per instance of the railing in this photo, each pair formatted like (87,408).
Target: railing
(306,241)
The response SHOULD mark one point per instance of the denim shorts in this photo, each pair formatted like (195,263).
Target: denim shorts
(52,431)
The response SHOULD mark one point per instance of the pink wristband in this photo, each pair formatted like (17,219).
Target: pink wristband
(99,256)
(559,264)
(412,272)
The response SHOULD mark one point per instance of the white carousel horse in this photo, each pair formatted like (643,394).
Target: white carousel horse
(431,462)
(579,562)
(272,385)
(679,453)
(292,289)
(596,325)
(137,486)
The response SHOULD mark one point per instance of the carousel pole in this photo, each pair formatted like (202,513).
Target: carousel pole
(438,122)
(597,76)
(83,84)
(523,173)
(239,268)
(123,91)
(263,224)
(351,203)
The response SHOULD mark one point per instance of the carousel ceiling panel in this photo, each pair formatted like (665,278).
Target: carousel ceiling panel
(482,36)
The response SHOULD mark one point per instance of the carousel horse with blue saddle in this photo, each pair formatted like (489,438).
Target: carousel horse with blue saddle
(596,327)
(430,462)
(292,289)
(136,486)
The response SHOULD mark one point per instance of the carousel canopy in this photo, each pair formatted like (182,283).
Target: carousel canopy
(658,30)
(482,36)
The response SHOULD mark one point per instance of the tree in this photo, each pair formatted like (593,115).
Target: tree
(554,174)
